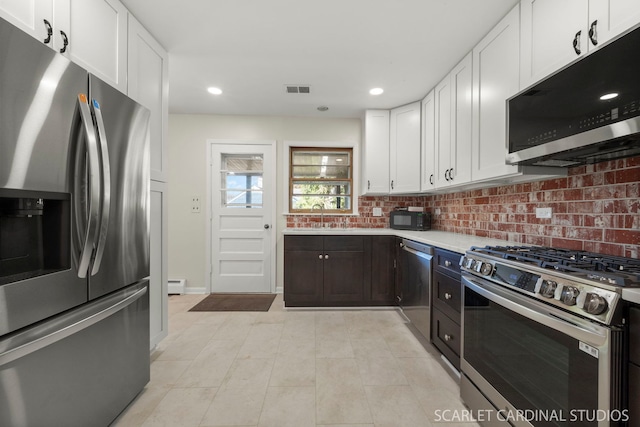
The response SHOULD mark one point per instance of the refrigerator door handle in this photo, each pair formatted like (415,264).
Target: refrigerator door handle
(105,195)
(69,324)
(94,187)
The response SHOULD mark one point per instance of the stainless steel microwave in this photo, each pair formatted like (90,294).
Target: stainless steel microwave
(407,220)
(585,113)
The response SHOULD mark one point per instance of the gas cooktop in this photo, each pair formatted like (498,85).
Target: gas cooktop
(584,283)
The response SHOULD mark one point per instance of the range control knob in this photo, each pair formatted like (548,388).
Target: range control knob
(569,295)
(595,304)
(486,269)
(548,288)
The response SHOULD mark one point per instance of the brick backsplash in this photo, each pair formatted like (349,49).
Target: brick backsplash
(595,208)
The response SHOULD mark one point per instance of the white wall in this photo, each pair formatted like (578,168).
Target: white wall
(188,135)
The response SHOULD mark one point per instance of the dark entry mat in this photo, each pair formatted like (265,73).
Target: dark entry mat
(235,302)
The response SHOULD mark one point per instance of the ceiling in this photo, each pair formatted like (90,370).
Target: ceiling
(251,49)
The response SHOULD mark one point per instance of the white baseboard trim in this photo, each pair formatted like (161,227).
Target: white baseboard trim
(176,286)
(194,291)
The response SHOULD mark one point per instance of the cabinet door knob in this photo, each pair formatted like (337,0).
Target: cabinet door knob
(447,263)
(593,32)
(448,337)
(576,43)
(320,256)
(65,42)
(447,295)
(49,28)
(326,257)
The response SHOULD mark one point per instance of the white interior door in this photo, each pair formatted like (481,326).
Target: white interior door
(242,203)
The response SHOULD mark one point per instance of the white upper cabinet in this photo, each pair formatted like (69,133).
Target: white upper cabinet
(495,79)
(97,37)
(556,32)
(148,73)
(376,152)
(34,17)
(92,33)
(404,149)
(453,110)
(428,143)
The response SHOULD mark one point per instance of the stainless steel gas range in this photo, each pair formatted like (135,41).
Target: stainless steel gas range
(543,336)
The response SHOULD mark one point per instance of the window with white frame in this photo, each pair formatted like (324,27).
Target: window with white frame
(320,178)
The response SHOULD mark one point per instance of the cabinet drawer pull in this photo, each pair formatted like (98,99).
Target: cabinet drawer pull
(447,263)
(431,179)
(448,337)
(447,296)
(576,43)
(392,184)
(593,32)
(368,184)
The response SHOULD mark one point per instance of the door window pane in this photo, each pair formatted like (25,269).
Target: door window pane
(241,180)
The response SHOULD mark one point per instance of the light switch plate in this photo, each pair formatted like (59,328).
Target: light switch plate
(377,211)
(543,212)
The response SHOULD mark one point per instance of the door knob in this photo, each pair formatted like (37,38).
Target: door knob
(266,226)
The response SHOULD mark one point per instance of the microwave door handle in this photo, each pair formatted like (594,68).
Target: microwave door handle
(105,195)
(93,184)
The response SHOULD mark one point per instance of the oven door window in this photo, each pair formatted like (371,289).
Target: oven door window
(531,365)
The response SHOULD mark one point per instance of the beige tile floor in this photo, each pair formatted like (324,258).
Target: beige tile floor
(293,368)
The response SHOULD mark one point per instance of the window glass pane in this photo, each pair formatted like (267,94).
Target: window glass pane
(327,202)
(241,180)
(320,172)
(315,188)
(242,163)
(321,158)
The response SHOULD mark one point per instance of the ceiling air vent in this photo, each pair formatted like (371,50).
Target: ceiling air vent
(297,88)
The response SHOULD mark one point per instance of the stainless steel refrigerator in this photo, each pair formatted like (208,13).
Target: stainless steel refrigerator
(74,241)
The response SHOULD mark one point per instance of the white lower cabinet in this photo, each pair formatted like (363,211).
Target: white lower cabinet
(158,282)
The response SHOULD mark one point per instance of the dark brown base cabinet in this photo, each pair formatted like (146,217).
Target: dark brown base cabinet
(446,305)
(338,270)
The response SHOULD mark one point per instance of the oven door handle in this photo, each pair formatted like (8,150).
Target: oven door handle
(577,328)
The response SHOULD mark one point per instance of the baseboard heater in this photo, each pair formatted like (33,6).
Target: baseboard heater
(176,286)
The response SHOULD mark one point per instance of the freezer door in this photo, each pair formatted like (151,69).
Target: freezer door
(38,92)
(81,368)
(122,248)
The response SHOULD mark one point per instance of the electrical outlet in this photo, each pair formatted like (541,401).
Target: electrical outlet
(195,204)
(543,212)
(377,211)
(437,211)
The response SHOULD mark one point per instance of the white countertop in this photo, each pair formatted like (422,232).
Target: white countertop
(442,239)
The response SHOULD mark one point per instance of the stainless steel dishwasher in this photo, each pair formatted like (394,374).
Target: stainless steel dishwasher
(415,284)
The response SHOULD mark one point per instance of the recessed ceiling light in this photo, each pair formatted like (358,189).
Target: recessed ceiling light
(323,108)
(376,91)
(608,96)
(214,91)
